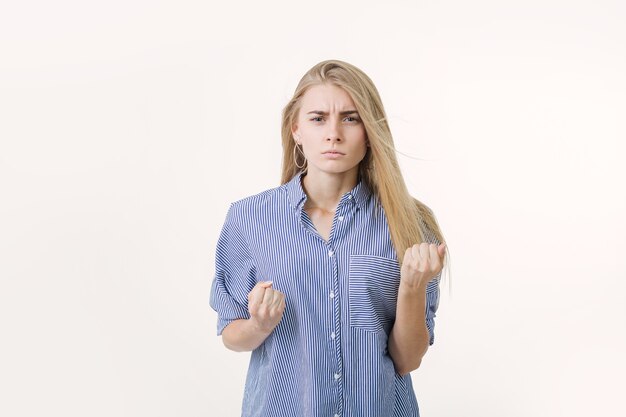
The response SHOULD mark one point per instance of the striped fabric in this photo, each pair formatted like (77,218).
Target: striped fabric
(328,355)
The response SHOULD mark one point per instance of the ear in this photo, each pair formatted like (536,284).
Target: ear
(295,132)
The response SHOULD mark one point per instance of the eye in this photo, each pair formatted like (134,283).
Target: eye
(352,119)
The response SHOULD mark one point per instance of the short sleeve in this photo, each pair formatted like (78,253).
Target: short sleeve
(432,293)
(235,273)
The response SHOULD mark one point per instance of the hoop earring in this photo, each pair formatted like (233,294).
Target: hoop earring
(295,157)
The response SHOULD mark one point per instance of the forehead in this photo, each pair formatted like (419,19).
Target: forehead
(325,97)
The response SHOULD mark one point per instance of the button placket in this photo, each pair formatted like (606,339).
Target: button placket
(335,335)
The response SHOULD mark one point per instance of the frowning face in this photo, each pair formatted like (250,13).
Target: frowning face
(331,133)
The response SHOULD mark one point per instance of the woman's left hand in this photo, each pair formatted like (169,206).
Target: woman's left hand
(421,263)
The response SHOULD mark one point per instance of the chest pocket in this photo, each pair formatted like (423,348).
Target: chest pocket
(373,285)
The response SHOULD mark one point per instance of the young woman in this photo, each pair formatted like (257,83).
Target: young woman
(332,278)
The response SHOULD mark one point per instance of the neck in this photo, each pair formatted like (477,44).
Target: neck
(324,190)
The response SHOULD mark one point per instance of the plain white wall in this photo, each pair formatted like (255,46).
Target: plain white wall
(127,128)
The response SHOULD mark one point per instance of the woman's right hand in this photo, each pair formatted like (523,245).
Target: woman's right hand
(266,306)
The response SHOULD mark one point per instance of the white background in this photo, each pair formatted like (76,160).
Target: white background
(128,127)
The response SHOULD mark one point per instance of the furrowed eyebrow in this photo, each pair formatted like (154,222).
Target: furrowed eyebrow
(324,113)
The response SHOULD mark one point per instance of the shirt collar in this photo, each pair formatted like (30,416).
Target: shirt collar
(296,195)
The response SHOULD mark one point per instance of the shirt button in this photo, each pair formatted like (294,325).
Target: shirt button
(332,335)
(350,197)
(332,294)
(330,253)
(340,218)
(337,376)
(336,415)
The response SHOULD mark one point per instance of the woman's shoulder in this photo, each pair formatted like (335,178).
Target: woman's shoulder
(261,202)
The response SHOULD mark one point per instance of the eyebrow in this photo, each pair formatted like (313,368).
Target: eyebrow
(324,113)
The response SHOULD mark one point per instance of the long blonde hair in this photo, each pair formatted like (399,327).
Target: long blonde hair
(409,220)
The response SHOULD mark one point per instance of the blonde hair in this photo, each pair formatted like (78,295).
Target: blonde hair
(409,220)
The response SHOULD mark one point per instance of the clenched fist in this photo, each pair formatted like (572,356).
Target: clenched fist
(421,263)
(266,306)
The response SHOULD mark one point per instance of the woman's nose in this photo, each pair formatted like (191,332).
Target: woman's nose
(333,134)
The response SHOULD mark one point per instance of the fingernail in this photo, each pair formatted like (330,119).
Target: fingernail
(268,282)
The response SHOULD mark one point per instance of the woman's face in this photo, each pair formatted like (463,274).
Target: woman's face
(330,130)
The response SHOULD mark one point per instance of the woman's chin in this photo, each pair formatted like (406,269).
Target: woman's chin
(333,167)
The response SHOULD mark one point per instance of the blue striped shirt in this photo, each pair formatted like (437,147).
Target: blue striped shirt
(328,355)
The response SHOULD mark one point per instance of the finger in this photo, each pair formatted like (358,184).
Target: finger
(275,298)
(424,250)
(442,251)
(408,255)
(268,297)
(415,251)
(434,256)
(277,304)
(282,305)
(262,284)
(279,298)
(257,293)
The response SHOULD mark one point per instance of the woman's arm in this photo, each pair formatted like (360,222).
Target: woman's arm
(243,335)
(408,340)
(266,306)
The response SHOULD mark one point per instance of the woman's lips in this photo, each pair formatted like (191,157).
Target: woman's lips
(333,154)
